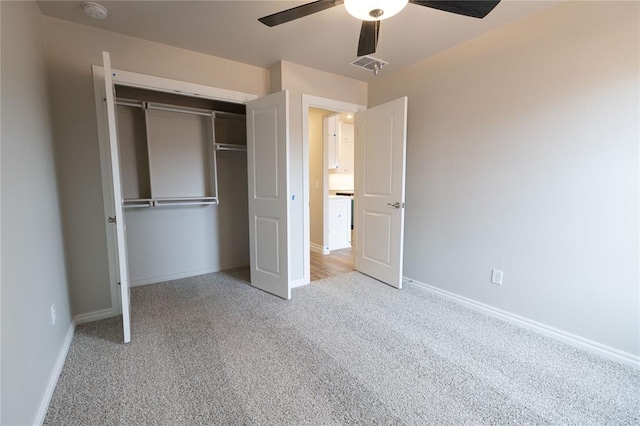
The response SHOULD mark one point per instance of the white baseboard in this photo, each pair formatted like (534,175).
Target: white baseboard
(244,264)
(55,374)
(563,336)
(169,277)
(317,248)
(299,283)
(94,316)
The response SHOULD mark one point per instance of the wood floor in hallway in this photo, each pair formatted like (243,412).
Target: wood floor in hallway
(336,263)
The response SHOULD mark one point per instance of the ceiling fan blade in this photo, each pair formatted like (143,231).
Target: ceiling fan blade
(473,8)
(368,37)
(298,12)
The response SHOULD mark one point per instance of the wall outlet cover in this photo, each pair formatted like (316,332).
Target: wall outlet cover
(53,314)
(496,276)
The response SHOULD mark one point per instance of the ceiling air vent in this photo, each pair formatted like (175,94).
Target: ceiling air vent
(369,63)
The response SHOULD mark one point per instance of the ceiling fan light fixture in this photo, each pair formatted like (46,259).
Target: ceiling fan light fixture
(374,10)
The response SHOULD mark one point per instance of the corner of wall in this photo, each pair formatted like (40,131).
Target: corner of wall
(275,78)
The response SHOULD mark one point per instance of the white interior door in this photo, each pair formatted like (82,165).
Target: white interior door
(118,218)
(380,147)
(267,168)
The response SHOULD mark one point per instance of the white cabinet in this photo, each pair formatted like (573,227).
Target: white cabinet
(345,162)
(332,140)
(339,222)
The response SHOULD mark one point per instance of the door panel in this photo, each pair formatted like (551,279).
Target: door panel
(381,138)
(378,157)
(267,260)
(266,154)
(121,242)
(376,246)
(267,160)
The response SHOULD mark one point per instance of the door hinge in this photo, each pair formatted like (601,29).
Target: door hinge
(112,219)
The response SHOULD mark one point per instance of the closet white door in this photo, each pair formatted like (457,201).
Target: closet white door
(118,218)
(381,139)
(267,169)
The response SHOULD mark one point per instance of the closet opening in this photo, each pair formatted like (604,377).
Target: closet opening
(184,180)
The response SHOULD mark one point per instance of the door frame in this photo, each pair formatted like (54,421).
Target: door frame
(309,101)
(149,82)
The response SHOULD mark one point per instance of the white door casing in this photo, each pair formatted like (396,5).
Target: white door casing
(268,178)
(121,242)
(380,148)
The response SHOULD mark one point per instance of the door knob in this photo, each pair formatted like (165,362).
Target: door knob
(396,204)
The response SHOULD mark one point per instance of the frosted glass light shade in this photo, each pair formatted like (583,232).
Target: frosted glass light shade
(369,10)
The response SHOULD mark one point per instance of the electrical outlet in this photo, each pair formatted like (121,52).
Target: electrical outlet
(496,276)
(53,314)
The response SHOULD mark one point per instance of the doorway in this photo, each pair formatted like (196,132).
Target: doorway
(328,131)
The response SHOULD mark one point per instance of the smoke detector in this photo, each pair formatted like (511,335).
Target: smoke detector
(369,63)
(95,10)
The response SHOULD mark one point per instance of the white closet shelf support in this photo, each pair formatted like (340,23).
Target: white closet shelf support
(130,103)
(169,201)
(185,201)
(137,203)
(230,147)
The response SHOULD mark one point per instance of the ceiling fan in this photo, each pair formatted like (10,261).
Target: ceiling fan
(371,12)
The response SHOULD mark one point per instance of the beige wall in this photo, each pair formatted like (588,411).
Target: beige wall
(316,175)
(72,49)
(275,78)
(299,80)
(33,263)
(310,81)
(523,156)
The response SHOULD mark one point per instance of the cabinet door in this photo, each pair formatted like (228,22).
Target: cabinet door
(339,223)
(345,165)
(332,142)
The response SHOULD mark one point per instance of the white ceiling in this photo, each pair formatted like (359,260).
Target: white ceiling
(326,40)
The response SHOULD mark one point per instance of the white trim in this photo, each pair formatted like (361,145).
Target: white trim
(170,277)
(107,184)
(317,248)
(159,84)
(95,316)
(563,336)
(299,283)
(309,101)
(55,374)
(126,78)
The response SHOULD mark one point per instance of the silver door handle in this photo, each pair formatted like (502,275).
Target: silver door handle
(396,205)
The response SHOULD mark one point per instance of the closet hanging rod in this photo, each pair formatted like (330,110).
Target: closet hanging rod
(233,115)
(182,110)
(127,102)
(190,203)
(183,199)
(177,108)
(137,206)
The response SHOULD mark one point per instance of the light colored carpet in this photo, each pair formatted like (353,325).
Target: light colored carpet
(348,349)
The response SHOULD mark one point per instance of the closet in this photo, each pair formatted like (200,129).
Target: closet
(184,182)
